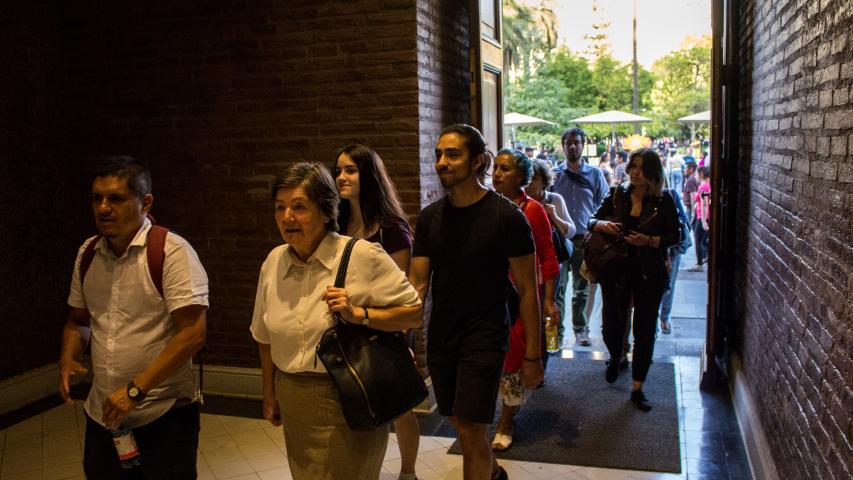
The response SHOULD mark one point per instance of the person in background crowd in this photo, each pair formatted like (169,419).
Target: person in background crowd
(512,173)
(604,166)
(560,220)
(583,187)
(370,209)
(619,175)
(528,151)
(143,377)
(294,306)
(701,217)
(675,168)
(691,184)
(647,220)
(465,246)
(675,253)
(688,157)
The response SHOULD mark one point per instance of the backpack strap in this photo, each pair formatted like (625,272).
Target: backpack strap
(155,251)
(86,259)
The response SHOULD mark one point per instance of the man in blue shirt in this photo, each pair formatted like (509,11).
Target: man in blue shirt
(584,188)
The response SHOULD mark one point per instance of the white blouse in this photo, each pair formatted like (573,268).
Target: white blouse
(290,313)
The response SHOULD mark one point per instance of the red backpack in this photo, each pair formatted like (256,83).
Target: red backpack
(155,250)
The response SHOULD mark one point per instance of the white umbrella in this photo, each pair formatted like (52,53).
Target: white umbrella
(521,120)
(515,119)
(701,117)
(612,117)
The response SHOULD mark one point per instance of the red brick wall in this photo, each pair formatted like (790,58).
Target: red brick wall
(215,96)
(795,224)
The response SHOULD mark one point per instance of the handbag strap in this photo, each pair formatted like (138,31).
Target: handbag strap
(340,279)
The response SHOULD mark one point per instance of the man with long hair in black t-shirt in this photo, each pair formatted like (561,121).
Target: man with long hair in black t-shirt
(467,243)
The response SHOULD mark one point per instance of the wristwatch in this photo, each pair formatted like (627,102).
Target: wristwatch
(134,392)
(366,320)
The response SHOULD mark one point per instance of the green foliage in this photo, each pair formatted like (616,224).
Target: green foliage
(566,86)
(529,35)
(683,86)
(558,85)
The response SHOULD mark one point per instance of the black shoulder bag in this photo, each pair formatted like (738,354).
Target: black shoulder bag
(603,254)
(373,370)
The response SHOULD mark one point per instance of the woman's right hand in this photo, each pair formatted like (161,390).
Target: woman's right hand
(608,227)
(272,413)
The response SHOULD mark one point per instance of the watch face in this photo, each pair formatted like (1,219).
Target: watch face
(134,392)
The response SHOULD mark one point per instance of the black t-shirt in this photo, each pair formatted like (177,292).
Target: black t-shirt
(469,250)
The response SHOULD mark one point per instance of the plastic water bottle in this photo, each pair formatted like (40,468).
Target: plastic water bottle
(551,343)
(128,451)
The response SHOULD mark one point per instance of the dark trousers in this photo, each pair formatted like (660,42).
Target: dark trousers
(580,287)
(616,304)
(167,446)
(700,240)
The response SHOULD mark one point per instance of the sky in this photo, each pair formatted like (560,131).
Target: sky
(662,25)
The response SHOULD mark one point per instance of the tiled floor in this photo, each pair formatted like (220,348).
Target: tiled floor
(48,446)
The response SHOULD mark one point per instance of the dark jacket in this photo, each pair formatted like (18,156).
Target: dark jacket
(659,217)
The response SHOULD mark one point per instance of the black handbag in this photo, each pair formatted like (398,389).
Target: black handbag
(562,247)
(603,254)
(373,370)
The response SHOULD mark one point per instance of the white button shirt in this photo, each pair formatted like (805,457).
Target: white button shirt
(131,323)
(290,313)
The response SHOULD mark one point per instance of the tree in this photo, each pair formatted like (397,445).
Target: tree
(529,35)
(683,86)
(599,39)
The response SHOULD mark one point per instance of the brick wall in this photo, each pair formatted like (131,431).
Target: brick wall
(215,96)
(38,239)
(443,82)
(443,99)
(218,96)
(795,223)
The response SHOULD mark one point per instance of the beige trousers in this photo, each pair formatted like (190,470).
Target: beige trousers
(319,444)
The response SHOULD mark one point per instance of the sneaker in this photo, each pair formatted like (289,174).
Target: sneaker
(696,268)
(583,339)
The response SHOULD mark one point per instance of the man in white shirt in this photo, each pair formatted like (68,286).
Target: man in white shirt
(144,332)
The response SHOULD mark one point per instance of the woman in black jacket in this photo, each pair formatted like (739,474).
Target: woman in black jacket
(647,221)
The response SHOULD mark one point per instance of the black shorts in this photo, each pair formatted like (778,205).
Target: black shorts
(466,386)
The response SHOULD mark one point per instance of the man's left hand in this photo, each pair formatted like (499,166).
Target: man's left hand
(116,407)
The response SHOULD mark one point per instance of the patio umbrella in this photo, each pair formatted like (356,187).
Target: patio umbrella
(515,119)
(701,117)
(612,117)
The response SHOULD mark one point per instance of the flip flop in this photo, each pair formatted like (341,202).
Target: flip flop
(501,442)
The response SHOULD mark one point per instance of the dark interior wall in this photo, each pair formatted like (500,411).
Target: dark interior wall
(217,96)
(39,235)
(443,81)
(795,225)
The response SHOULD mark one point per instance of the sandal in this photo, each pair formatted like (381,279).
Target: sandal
(501,442)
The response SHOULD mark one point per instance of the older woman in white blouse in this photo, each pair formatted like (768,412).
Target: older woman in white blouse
(294,305)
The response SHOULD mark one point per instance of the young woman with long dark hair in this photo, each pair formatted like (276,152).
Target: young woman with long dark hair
(640,213)
(370,209)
